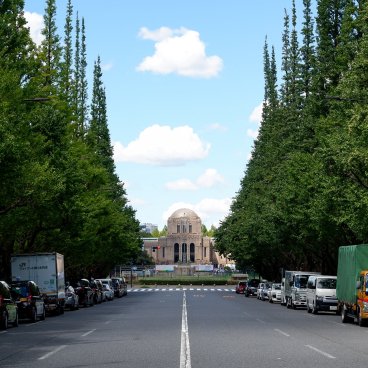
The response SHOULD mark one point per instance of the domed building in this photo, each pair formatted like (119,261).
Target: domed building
(184,243)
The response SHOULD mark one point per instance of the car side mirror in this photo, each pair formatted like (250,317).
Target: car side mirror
(358,284)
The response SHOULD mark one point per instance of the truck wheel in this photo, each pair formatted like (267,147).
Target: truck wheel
(344,317)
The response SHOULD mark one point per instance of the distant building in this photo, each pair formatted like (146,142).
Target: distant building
(184,243)
(148,228)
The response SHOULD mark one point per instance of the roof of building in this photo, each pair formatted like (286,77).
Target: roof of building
(184,212)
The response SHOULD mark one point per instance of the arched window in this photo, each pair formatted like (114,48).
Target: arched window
(176,253)
(192,252)
(178,229)
(184,252)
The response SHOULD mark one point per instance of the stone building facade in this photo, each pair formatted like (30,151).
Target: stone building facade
(184,243)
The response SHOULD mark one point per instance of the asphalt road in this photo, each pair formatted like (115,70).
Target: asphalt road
(176,328)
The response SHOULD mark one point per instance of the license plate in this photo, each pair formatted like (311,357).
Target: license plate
(333,308)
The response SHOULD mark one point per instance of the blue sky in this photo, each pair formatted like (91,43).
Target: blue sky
(184,84)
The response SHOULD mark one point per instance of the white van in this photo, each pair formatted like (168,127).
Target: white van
(321,294)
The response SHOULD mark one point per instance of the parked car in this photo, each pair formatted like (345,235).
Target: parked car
(120,286)
(108,288)
(264,291)
(84,292)
(71,298)
(97,292)
(260,289)
(100,286)
(274,293)
(29,300)
(252,287)
(8,307)
(241,287)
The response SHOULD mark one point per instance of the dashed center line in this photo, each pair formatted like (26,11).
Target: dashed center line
(320,352)
(88,333)
(281,332)
(185,359)
(52,352)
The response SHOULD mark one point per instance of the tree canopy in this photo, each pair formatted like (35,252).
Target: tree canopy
(59,190)
(304,191)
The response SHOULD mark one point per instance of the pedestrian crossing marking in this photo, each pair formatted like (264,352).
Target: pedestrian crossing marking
(137,290)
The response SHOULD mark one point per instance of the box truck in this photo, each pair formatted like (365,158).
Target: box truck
(47,271)
(295,288)
(352,283)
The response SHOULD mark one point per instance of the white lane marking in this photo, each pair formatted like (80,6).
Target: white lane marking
(88,333)
(61,347)
(320,351)
(281,332)
(260,320)
(185,361)
(212,289)
(107,322)
(149,289)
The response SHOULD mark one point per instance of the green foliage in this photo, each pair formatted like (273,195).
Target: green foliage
(57,193)
(304,192)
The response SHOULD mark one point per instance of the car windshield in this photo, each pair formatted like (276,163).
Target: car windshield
(301,281)
(326,284)
(21,290)
(277,286)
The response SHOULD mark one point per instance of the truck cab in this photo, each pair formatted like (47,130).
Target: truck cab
(296,288)
(362,298)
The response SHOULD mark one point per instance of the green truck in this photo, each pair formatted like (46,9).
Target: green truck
(352,283)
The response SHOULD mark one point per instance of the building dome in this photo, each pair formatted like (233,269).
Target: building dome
(184,213)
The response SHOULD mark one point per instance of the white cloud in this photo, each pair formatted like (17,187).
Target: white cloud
(157,35)
(35,24)
(179,51)
(106,67)
(218,127)
(136,202)
(163,146)
(207,180)
(252,133)
(256,115)
(210,210)
(181,184)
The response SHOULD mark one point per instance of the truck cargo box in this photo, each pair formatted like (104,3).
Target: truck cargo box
(352,260)
(47,270)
